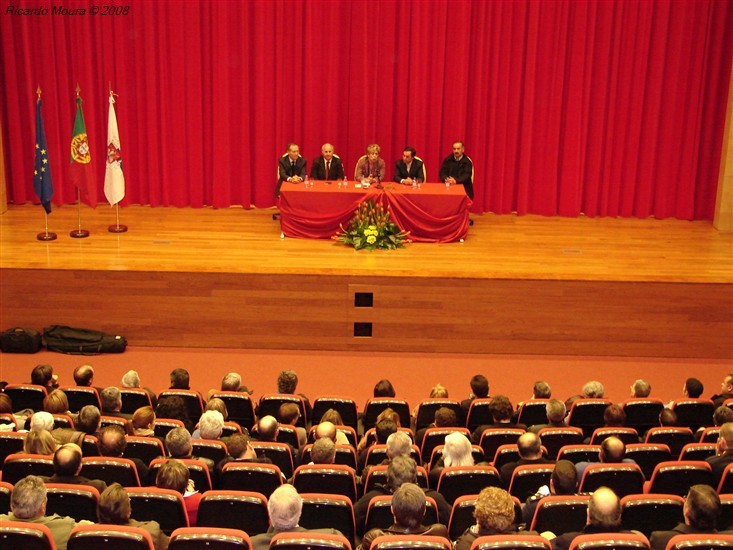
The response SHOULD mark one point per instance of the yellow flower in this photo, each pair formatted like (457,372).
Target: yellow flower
(371,239)
(372,227)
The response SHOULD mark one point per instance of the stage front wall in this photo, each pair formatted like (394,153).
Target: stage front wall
(310,312)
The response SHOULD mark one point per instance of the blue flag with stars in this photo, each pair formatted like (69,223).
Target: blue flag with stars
(42,175)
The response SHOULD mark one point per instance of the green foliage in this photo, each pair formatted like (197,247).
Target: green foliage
(371,227)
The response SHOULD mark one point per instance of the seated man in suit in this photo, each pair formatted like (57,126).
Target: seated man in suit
(67,465)
(457,169)
(112,442)
(723,452)
(328,166)
(290,167)
(408,509)
(284,508)
(410,169)
(701,513)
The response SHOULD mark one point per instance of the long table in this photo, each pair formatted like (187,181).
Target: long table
(434,213)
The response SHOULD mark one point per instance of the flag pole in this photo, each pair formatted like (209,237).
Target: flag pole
(117,228)
(45,236)
(78,233)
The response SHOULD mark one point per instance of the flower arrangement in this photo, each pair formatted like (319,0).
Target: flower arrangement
(371,227)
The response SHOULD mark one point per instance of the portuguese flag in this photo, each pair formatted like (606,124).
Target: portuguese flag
(82,172)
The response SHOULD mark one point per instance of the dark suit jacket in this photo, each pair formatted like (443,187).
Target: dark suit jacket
(415,172)
(461,170)
(718,464)
(318,169)
(659,539)
(285,170)
(98,484)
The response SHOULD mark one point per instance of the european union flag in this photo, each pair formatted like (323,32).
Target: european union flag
(42,175)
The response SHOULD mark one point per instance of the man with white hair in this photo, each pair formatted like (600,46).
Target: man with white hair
(284,507)
(211,425)
(28,505)
(131,379)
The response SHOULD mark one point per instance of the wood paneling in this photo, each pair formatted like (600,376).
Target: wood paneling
(206,278)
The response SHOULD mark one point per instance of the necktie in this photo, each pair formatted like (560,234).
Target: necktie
(328,168)
(292,168)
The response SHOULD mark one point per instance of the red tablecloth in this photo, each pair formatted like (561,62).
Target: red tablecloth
(431,214)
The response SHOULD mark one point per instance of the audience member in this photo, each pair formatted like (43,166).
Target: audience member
(593,390)
(398,444)
(112,442)
(174,475)
(88,420)
(443,418)
(439,391)
(42,375)
(131,379)
(693,388)
(457,451)
(211,426)
(502,411)
(232,381)
(216,404)
(641,388)
(111,399)
(28,504)
(143,422)
(604,516)
(174,407)
(288,415)
(56,402)
(408,509)
(555,411)
(382,430)
(240,450)
(494,515)
(114,508)
(178,444)
(541,390)
(84,377)
(721,415)
(563,481)
(287,384)
(41,420)
(668,418)
(479,390)
(614,416)
(39,442)
(612,452)
(328,429)
(401,470)
(384,388)
(284,508)
(180,380)
(701,513)
(530,452)
(726,391)
(267,428)
(6,407)
(67,465)
(723,452)
(323,451)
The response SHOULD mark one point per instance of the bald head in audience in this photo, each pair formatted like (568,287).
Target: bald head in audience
(326,429)
(267,428)
(604,510)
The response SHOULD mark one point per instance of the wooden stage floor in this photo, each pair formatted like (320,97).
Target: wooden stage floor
(225,278)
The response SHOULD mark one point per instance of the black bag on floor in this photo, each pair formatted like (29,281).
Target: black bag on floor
(20,340)
(81,341)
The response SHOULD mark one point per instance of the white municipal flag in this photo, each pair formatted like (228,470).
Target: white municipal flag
(114,178)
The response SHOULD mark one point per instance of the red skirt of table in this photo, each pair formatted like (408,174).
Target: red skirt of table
(434,213)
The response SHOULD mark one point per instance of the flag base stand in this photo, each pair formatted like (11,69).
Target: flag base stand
(46,236)
(117,229)
(79,234)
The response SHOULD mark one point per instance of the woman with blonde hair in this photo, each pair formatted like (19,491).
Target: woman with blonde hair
(39,442)
(457,451)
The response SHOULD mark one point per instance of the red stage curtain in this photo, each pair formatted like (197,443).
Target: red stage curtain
(607,107)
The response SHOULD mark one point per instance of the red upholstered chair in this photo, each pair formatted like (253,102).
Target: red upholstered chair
(479,414)
(504,455)
(410,542)
(648,455)
(333,479)
(587,414)
(617,541)
(427,407)
(493,438)
(709,435)
(105,421)
(528,478)
(697,451)
(208,538)
(245,510)
(676,478)
(111,470)
(8,418)
(26,396)
(533,412)
(674,438)
(309,541)
(700,542)
(511,542)
(378,475)
(694,413)
(162,426)
(230,428)
(560,514)
(652,512)
(379,512)
(19,465)
(461,516)
(73,500)
(165,506)
(322,511)
(623,479)
(213,449)
(144,448)
(554,439)
(10,443)
(133,399)
(345,406)
(6,489)
(280,454)
(376,454)
(270,405)
(726,481)
(192,399)
(579,453)
(376,405)
(642,413)
(109,537)
(239,406)
(197,469)
(247,476)
(627,435)
(456,481)
(345,454)
(80,396)
(25,535)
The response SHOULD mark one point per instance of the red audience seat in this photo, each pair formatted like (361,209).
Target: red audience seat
(511,542)
(25,535)
(207,538)
(110,537)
